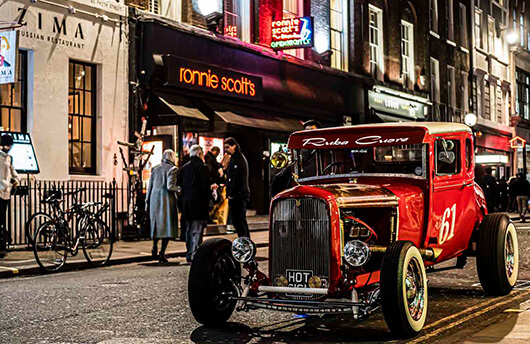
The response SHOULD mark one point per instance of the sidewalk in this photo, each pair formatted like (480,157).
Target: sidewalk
(18,263)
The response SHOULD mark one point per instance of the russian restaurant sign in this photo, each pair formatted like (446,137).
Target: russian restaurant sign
(201,77)
(396,105)
(292,33)
(8,50)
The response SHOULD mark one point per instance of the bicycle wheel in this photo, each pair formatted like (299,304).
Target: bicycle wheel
(35,221)
(98,241)
(50,247)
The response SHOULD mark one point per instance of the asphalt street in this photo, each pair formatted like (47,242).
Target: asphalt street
(147,303)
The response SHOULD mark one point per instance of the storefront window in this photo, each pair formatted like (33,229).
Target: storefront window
(82,117)
(13,98)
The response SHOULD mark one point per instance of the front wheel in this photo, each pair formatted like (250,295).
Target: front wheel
(35,221)
(97,243)
(404,289)
(497,254)
(50,247)
(214,275)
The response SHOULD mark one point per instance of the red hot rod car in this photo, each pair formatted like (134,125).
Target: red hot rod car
(373,206)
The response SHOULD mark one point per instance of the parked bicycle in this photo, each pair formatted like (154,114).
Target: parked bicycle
(55,238)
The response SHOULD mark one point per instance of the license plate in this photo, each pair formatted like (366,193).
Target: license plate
(298,278)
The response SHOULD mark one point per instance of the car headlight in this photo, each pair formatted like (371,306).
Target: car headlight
(356,253)
(243,249)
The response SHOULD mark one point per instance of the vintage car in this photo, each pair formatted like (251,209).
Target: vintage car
(374,207)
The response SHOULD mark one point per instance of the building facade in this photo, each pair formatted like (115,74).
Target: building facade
(71,89)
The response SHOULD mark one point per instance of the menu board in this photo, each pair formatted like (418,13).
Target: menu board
(23,153)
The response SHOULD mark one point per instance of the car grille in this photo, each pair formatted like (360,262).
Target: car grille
(300,240)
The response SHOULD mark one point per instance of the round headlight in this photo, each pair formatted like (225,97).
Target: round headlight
(356,253)
(243,249)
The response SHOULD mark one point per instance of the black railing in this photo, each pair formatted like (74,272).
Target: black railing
(29,196)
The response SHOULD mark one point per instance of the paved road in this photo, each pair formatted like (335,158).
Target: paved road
(147,303)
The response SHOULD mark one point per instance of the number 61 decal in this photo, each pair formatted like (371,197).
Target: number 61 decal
(447,231)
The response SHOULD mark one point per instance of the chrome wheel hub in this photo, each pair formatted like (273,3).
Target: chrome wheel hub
(415,291)
(509,255)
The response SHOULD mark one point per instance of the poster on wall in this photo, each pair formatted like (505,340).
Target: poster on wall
(8,54)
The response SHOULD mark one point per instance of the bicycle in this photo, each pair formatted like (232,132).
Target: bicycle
(54,239)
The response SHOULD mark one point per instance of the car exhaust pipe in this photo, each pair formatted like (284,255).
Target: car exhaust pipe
(429,253)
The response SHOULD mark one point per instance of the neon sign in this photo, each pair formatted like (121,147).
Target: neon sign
(292,33)
(517,142)
(231,30)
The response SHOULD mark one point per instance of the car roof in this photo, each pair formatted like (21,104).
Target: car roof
(432,128)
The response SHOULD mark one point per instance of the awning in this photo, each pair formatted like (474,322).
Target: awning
(385,117)
(185,111)
(266,123)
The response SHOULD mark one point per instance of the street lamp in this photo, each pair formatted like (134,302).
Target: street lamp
(512,37)
(470,119)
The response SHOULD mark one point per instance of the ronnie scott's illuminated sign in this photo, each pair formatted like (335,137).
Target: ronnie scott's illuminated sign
(292,33)
(202,77)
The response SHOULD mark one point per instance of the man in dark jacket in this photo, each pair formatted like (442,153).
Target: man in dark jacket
(237,189)
(521,190)
(489,185)
(214,167)
(194,180)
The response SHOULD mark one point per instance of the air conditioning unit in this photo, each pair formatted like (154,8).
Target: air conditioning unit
(140,4)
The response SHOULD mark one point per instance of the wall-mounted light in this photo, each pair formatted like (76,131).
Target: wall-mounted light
(207,7)
(213,20)
(470,120)
(512,37)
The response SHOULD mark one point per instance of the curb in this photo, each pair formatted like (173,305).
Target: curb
(84,265)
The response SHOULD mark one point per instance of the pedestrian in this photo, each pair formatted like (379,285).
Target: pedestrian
(161,204)
(503,195)
(8,179)
(237,189)
(196,193)
(512,203)
(214,167)
(521,189)
(489,185)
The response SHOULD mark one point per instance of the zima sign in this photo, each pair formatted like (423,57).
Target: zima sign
(8,54)
(292,33)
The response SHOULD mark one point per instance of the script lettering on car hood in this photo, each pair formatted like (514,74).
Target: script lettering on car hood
(321,142)
(376,139)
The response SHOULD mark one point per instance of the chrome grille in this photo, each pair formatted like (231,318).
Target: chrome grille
(300,239)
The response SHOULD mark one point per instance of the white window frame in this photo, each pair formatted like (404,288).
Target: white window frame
(450,20)
(408,71)
(451,87)
(292,12)
(376,50)
(435,80)
(479,39)
(171,9)
(339,58)
(433,15)
(242,21)
(463,26)
(491,35)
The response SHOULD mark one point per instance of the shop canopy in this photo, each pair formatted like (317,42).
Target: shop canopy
(184,111)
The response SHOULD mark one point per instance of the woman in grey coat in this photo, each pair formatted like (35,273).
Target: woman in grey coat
(161,203)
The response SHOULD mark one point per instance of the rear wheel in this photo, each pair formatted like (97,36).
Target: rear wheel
(214,275)
(34,222)
(98,242)
(404,289)
(497,254)
(50,248)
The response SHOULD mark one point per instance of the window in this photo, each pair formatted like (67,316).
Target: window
(435,80)
(407,53)
(491,35)
(447,154)
(433,15)
(480,95)
(493,101)
(338,26)
(463,25)
(521,24)
(469,153)
(171,9)
(237,19)
(293,9)
(13,98)
(82,117)
(465,92)
(450,20)
(522,94)
(478,28)
(451,87)
(376,41)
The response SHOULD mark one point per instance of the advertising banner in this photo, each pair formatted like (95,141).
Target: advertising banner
(8,54)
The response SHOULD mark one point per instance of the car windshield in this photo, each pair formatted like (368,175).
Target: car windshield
(403,160)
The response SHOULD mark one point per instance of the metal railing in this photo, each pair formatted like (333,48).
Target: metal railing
(29,196)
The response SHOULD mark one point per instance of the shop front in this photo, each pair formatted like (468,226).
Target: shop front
(200,88)
(389,105)
(494,150)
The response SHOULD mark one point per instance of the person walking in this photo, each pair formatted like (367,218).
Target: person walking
(161,204)
(503,195)
(237,189)
(8,179)
(521,189)
(489,185)
(194,179)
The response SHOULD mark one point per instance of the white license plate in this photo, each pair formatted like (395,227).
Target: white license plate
(298,278)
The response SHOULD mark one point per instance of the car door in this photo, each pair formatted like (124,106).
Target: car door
(450,194)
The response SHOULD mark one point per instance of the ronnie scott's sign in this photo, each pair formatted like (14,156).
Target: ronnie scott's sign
(396,105)
(292,33)
(202,77)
